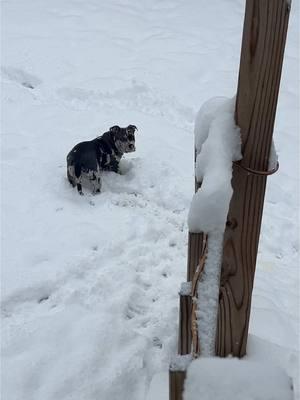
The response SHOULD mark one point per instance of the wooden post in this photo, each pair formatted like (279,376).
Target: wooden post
(195,249)
(176,384)
(185,314)
(264,36)
(177,375)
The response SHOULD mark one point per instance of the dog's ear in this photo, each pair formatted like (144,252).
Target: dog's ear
(131,128)
(115,129)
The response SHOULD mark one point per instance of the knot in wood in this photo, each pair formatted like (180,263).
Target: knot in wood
(231,223)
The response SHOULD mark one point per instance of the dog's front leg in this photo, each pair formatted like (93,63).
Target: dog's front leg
(79,188)
(96,181)
(114,166)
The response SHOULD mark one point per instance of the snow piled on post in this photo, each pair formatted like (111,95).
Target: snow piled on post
(217,145)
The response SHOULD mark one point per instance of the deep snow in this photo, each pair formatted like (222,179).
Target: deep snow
(90,284)
(237,379)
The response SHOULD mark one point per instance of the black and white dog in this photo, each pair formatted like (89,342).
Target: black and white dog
(87,159)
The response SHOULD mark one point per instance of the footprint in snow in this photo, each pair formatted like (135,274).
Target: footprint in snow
(29,296)
(157,342)
(43,298)
(21,77)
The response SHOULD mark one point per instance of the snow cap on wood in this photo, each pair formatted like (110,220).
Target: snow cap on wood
(218,144)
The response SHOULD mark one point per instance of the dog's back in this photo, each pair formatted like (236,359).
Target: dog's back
(82,159)
(83,155)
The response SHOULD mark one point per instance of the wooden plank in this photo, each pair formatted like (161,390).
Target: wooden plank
(263,43)
(195,249)
(185,313)
(176,384)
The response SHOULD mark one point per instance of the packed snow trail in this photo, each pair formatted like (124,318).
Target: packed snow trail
(89,284)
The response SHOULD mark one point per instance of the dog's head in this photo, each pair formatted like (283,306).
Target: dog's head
(124,138)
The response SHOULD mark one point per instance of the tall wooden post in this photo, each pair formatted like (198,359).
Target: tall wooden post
(264,36)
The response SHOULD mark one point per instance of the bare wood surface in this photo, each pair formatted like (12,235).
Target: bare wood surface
(195,249)
(264,36)
(185,333)
(176,384)
(197,276)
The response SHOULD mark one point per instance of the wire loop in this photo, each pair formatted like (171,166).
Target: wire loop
(251,171)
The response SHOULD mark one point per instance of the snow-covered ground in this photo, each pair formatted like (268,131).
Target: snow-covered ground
(89,284)
(237,379)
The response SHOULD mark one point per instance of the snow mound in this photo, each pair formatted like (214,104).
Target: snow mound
(234,379)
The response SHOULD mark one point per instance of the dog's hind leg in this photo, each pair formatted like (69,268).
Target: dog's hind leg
(77,183)
(71,180)
(78,176)
(70,175)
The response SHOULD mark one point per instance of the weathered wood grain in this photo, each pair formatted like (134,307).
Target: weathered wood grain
(176,384)
(196,242)
(185,332)
(263,43)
